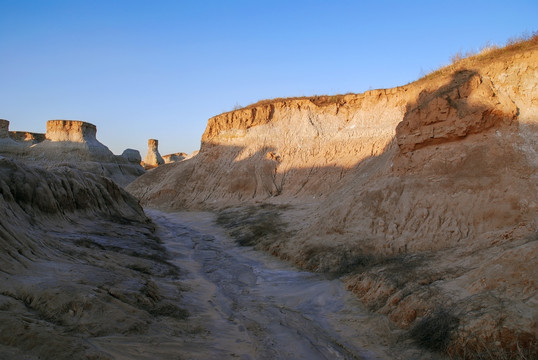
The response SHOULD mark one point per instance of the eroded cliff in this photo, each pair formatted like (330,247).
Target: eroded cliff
(425,195)
(79,262)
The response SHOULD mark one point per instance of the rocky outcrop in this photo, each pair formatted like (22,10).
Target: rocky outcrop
(64,189)
(7,145)
(4,129)
(467,105)
(153,158)
(172,158)
(71,131)
(425,188)
(71,142)
(132,155)
(29,138)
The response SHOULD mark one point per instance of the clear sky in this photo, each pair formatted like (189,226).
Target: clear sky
(161,68)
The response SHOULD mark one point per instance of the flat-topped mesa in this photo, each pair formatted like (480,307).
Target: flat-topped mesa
(4,129)
(75,140)
(153,158)
(71,130)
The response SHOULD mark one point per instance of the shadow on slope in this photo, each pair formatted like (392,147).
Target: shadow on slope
(422,228)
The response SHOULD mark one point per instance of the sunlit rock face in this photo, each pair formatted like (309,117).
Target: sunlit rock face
(71,130)
(153,158)
(73,139)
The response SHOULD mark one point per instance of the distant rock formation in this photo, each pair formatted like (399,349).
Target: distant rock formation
(172,158)
(71,130)
(72,142)
(153,158)
(4,129)
(28,138)
(8,146)
(132,155)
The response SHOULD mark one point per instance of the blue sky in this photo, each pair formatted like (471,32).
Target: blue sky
(160,69)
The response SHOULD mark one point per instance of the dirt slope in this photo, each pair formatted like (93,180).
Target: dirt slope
(425,195)
(79,262)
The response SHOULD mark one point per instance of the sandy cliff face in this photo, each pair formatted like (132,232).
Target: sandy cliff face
(430,190)
(71,130)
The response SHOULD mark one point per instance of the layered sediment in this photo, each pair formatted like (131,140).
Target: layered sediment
(425,195)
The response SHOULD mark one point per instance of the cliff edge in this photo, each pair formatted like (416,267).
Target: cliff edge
(423,197)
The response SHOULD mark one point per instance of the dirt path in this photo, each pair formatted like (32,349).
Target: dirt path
(252,306)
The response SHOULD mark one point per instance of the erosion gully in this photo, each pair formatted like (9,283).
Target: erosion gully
(252,306)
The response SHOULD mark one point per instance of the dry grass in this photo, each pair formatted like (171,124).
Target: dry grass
(435,332)
(254,225)
(487,53)
(318,100)
(482,351)
(459,60)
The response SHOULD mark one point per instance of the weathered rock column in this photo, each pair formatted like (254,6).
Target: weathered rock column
(153,158)
(4,129)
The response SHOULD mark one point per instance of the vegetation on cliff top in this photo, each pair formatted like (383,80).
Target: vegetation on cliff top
(459,61)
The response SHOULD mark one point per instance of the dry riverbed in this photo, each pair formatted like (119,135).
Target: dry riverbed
(250,305)
(106,290)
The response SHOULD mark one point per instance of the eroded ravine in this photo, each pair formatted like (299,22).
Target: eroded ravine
(251,306)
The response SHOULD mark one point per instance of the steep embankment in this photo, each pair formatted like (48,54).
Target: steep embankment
(78,261)
(425,195)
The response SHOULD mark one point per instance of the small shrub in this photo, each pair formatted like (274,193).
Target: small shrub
(139,268)
(434,332)
(170,310)
(252,225)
